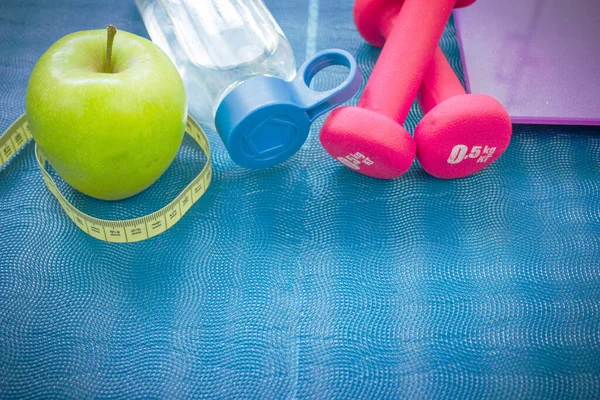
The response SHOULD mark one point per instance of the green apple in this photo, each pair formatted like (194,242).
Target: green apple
(109,117)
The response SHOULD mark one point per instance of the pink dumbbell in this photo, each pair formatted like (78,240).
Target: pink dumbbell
(461,133)
(370,138)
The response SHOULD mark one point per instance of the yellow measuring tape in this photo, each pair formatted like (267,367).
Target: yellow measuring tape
(131,230)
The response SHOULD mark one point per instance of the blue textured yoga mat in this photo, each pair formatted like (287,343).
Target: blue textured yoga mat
(306,280)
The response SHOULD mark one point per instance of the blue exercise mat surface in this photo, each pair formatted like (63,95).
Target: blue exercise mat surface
(306,280)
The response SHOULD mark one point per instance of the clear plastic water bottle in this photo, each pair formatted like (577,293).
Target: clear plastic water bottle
(240,74)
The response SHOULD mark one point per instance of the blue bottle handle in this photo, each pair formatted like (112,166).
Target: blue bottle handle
(315,102)
(265,120)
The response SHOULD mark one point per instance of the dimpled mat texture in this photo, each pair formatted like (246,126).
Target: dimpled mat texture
(305,280)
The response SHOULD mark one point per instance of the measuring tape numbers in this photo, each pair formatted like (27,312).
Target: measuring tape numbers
(116,231)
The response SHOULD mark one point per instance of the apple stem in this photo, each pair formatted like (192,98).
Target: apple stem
(111,31)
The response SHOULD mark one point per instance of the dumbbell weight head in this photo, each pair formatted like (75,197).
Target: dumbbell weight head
(370,16)
(374,18)
(349,136)
(462,135)
(463,3)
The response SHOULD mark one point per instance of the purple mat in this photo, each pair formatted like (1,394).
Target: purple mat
(540,58)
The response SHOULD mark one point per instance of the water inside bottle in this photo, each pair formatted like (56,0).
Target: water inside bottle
(217,44)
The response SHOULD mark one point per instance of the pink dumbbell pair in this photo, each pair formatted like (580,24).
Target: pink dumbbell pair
(460,134)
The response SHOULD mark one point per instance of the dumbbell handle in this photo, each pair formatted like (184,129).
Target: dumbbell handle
(439,84)
(411,41)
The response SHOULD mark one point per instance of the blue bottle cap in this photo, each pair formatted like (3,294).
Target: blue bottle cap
(265,120)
